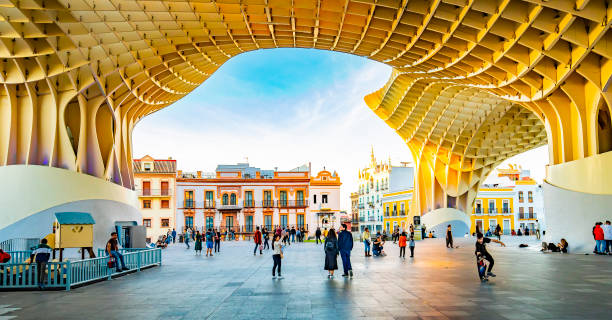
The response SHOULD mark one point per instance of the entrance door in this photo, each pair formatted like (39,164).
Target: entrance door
(210,222)
(189,221)
(479,226)
(229,222)
(507,226)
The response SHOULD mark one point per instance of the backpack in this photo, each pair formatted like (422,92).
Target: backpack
(330,246)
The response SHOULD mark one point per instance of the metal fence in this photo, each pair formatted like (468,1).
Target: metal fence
(19,244)
(67,274)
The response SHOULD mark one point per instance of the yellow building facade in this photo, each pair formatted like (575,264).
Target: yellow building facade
(493,206)
(396,210)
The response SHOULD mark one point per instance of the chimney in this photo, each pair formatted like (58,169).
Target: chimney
(199,174)
(169,158)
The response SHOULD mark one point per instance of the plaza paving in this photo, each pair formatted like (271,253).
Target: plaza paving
(439,283)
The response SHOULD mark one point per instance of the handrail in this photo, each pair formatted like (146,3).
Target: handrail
(68,274)
(19,244)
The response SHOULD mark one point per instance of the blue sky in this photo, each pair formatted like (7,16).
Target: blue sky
(281,108)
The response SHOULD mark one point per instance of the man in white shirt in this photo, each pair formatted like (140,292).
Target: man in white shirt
(607,229)
(537,229)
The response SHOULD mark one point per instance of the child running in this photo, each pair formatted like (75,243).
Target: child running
(277,255)
(402,245)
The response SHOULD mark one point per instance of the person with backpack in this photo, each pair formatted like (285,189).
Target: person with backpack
(173,235)
(331,252)
(402,245)
(277,255)
(209,242)
(257,240)
(345,245)
(41,257)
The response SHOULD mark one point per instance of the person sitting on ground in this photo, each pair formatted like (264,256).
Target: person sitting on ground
(518,232)
(562,246)
(377,250)
(513,232)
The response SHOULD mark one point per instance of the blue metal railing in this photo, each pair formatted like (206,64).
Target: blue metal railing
(67,274)
(19,244)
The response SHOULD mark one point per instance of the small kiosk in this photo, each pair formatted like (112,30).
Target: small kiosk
(74,230)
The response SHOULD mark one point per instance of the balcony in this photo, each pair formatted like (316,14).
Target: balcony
(248,203)
(394,213)
(361,206)
(267,203)
(372,218)
(478,211)
(402,213)
(362,219)
(189,204)
(154,192)
(209,204)
(292,203)
(529,215)
(229,206)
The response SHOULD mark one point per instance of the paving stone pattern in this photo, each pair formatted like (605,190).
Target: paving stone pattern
(439,283)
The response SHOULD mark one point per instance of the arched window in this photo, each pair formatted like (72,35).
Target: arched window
(233,199)
(225,199)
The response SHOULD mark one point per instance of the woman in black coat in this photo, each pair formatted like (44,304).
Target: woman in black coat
(331,252)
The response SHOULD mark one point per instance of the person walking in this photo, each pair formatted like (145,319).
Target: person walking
(209,242)
(607,229)
(173,235)
(449,236)
(402,245)
(41,257)
(217,240)
(598,232)
(331,252)
(498,232)
(293,232)
(345,245)
(366,241)
(187,237)
(318,235)
(411,244)
(257,240)
(298,235)
(198,243)
(481,251)
(537,229)
(303,234)
(266,237)
(277,255)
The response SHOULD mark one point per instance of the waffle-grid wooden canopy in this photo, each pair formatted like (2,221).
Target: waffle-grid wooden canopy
(474,81)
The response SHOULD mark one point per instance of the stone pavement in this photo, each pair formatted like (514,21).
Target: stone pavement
(439,283)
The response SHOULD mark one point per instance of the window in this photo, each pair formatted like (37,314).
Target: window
(146,204)
(492,206)
(314,199)
(146,223)
(233,199)
(402,209)
(225,199)
(387,210)
(283,198)
(165,223)
(478,208)
(323,198)
(248,196)
(283,221)
(268,222)
(520,196)
(189,199)
(165,190)
(530,196)
(210,201)
(268,198)
(165,204)
(506,206)
(300,220)
(146,188)
(147,166)
(300,197)
(395,209)
(521,213)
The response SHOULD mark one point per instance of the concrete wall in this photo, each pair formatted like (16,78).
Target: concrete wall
(104,212)
(571,215)
(439,219)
